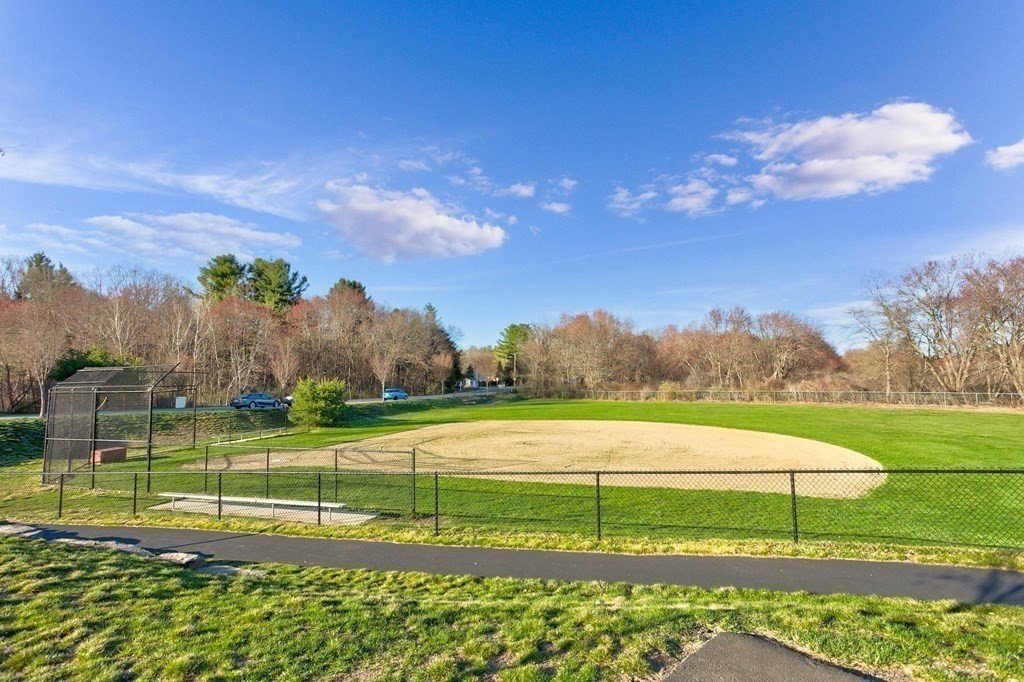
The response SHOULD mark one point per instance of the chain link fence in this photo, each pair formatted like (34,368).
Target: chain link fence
(978,507)
(913,398)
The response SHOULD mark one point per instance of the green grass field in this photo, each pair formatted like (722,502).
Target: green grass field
(87,614)
(912,509)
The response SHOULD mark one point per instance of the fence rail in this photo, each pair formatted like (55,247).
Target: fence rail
(979,507)
(923,398)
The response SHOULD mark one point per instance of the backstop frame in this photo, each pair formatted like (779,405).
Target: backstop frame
(125,398)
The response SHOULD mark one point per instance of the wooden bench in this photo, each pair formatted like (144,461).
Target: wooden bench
(111,454)
(331,507)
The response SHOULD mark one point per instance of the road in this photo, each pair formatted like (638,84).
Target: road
(356,401)
(439,396)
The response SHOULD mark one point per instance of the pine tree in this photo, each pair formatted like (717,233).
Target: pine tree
(344,284)
(40,278)
(273,284)
(223,276)
(511,343)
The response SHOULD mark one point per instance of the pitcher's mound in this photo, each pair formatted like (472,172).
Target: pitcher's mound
(573,446)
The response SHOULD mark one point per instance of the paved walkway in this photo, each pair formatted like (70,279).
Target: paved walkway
(729,657)
(969,585)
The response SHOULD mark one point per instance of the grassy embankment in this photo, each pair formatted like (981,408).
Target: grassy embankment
(63,615)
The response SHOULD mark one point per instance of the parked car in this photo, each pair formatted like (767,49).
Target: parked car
(254,400)
(395,394)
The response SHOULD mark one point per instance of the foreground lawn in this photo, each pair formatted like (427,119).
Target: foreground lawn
(75,613)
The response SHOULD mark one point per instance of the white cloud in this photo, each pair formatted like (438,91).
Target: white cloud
(1006,157)
(159,237)
(627,204)
(521,190)
(534,230)
(391,225)
(722,159)
(559,207)
(693,198)
(837,156)
(412,165)
(565,184)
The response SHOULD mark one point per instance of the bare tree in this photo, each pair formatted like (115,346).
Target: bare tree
(996,289)
(241,333)
(43,334)
(440,368)
(393,337)
(940,319)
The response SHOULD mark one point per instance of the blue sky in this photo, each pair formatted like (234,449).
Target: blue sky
(508,162)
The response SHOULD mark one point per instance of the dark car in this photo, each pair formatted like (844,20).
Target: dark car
(395,394)
(254,400)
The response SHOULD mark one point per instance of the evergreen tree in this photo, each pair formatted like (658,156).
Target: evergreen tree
(344,284)
(511,343)
(40,277)
(223,276)
(274,284)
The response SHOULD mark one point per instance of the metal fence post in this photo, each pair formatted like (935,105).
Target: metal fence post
(135,494)
(220,498)
(597,493)
(149,443)
(335,475)
(792,505)
(268,475)
(437,510)
(92,439)
(60,496)
(414,481)
(318,499)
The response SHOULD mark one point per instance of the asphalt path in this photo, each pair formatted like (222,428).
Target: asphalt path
(888,579)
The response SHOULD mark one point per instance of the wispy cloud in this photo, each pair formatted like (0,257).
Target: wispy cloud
(413,165)
(277,191)
(721,159)
(521,190)
(156,238)
(564,184)
(1006,240)
(627,203)
(64,166)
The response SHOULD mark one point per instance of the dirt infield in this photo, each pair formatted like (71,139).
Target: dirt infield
(501,448)
(554,445)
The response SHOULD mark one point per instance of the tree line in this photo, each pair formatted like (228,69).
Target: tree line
(953,325)
(248,327)
(946,325)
